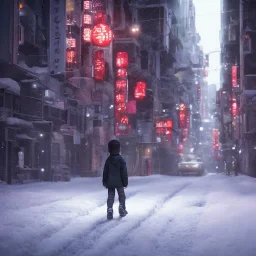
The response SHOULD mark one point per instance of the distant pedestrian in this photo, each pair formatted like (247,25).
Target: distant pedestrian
(115,177)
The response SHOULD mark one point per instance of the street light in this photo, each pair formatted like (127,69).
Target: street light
(135,29)
(201,128)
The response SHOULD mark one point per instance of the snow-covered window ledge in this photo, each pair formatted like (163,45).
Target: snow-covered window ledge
(10,85)
(13,121)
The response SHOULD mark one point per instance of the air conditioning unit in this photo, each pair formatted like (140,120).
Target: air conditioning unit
(21,35)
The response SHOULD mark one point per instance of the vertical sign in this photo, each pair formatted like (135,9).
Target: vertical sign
(57,36)
(234,76)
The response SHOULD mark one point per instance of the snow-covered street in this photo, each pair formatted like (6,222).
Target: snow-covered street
(188,216)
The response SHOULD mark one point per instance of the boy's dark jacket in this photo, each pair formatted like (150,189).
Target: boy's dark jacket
(115,172)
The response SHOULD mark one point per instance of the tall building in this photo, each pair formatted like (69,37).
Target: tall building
(228,96)
(236,97)
(56,89)
(247,89)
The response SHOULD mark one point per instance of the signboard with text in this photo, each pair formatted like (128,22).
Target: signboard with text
(57,36)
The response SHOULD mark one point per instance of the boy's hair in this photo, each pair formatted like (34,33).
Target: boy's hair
(114,147)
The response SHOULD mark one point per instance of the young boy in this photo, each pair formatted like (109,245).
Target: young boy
(115,177)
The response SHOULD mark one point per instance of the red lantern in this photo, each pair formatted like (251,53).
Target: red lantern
(100,17)
(121,85)
(87,19)
(140,90)
(99,65)
(120,98)
(102,35)
(70,58)
(121,73)
(87,35)
(122,60)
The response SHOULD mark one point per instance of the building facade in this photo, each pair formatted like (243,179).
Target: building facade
(68,85)
(236,97)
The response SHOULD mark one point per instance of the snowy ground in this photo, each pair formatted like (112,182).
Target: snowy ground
(214,215)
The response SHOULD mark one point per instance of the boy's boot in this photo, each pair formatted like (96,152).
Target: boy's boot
(122,211)
(110,214)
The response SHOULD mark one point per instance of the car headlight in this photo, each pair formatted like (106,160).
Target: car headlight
(195,165)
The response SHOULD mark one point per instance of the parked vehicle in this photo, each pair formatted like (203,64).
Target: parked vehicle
(190,164)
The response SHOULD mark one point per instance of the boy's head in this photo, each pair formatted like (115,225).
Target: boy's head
(114,147)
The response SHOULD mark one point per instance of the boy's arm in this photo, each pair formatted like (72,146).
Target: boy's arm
(105,174)
(124,173)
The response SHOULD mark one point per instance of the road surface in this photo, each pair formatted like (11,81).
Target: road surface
(180,216)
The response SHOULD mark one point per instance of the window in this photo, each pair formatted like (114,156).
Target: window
(144,59)
(16,104)
(117,13)
(8,101)
(1,98)
(55,153)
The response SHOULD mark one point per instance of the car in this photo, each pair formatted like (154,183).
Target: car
(191,164)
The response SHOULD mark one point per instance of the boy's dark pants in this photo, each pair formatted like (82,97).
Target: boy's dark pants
(111,197)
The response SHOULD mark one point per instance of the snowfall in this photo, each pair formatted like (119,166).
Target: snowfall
(213,215)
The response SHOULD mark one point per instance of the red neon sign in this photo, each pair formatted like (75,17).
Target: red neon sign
(87,35)
(122,60)
(87,20)
(87,5)
(71,42)
(215,138)
(70,58)
(120,98)
(164,129)
(121,73)
(121,85)
(140,90)
(234,108)
(124,120)
(121,107)
(234,76)
(99,65)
